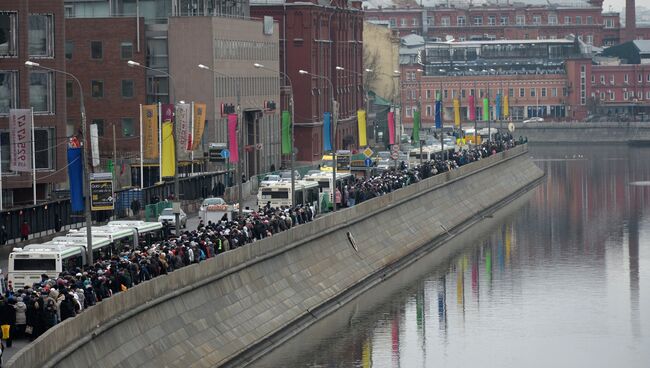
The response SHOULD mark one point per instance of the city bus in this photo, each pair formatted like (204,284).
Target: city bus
(324,180)
(279,193)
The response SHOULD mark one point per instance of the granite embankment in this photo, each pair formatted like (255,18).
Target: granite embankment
(228,309)
(562,133)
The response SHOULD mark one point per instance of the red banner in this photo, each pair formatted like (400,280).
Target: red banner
(391,128)
(232,138)
(471,108)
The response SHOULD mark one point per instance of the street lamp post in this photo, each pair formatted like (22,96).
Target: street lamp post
(420,111)
(177,194)
(240,133)
(293,151)
(333,134)
(87,212)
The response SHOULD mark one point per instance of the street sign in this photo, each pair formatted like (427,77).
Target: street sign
(394,155)
(215,152)
(394,148)
(101,198)
(258,146)
(368,162)
(368,152)
(225,153)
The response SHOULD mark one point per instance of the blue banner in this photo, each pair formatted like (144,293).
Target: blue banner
(438,114)
(498,106)
(75,175)
(327,132)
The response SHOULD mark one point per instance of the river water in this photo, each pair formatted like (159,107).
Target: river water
(558,278)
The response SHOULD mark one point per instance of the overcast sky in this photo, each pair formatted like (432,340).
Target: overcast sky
(617,5)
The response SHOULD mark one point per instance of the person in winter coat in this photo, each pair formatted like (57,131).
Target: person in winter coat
(51,309)
(67,309)
(8,317)
(21,317)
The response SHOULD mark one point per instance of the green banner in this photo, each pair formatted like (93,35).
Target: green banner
(416,128)
(486,109)
(286,133)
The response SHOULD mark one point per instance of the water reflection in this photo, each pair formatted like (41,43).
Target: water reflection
(555,281)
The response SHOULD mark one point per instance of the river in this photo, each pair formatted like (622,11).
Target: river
(558,278)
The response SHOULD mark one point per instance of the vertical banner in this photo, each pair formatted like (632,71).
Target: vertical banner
(150,131)
(415,138)
(438,114)
(286,132)
(75,176)
(361,126)
(168,161)
(497,107)
(183,130)
(486,109)
(232,138)
(391,127)
(327,132)
(20,131)
(456,112)
(506,107)
(472,108)
(199,124)
(94,144)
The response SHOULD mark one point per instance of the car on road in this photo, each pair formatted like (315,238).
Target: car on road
(168,215)
(286,175)
(535,119)
(211,201)
(270,179)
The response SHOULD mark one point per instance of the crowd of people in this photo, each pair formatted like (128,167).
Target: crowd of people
(31,310)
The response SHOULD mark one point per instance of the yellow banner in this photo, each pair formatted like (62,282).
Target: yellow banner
(150,131)
(506,106)
(361,124)
(168,158)
(199,124)
(456,112)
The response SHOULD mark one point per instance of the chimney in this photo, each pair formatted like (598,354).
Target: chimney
(630,21)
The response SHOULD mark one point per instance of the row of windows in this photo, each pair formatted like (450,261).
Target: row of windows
(516,112)
(503,20)
(44,148)
(403,22)
(127,89)
(40,35)
(41,91)
(521,92)
(247,86)
(127,127)
(245,50)
(97,50)
(627,95)
(612,79)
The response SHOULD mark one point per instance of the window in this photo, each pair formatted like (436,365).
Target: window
(625,95)
(430,21)
(647,97)
(533,92)
(4,146)
(602,96)
(428,111)
(625,78)
(44,144)
(445,93)
(537,20)
(392,22)
(41,35)
(126,50)
(648,78)
(511,92)
(69,91)
(8,34)
(504,21)
(460,20)
(41,96)
(640,78)
(565,92)
(408,111)
(69,49)
(612,95)
(444,21)
(127,127)
(402,22)
(100,126)
(520,20)
(578,19)
(590,19)
(414,22)
(96,50)
(602,79)
(478,20)
(97,88)
(70,127)
(552,19)
(593,79)
(609,23)
(543,91)
(611,79)
(567,20)
(8,92)
(127,88)
(428,93)
(492,20)
(554,92)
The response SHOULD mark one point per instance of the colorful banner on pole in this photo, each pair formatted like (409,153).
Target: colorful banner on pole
(486,109)
(150,131)
(286,132)
(199,124)
(75,176)
(327,132)
(20,136)
(168,158)
(456,112)
(497,107)
(472,108)
(506,106)
(438,114)
(415,138)
(94,144)
(233,144)
(361,126)
(183,130)
(391,128)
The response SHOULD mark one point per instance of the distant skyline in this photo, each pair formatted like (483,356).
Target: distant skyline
(616,5)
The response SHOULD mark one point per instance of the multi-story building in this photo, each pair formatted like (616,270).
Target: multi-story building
(319,38)
(510,20)
(33,31)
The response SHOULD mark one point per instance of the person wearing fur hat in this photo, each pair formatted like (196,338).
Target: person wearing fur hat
(21,317)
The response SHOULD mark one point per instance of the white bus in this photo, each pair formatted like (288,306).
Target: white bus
(324,181)
(279,194)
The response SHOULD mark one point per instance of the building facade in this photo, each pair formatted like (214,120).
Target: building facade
(33,32)
(318,38)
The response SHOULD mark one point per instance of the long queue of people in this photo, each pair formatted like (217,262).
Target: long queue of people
(32,310)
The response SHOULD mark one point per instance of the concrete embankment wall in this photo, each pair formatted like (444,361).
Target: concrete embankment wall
(208,314)
(583,132)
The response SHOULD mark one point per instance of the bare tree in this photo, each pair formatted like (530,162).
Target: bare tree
(370,61)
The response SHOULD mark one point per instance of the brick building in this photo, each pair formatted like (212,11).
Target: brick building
(33,31)
(510,20)
(318,38)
